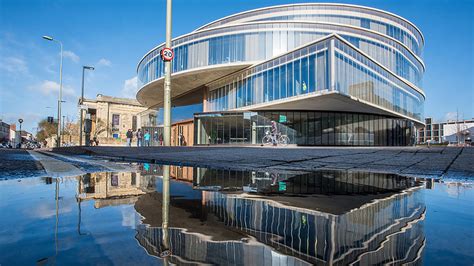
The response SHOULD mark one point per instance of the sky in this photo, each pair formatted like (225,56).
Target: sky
(113,35)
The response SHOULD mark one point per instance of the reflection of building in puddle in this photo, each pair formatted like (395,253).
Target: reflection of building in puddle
(381,229)
(112,188)
(384,231)
(320,182)
(189,248)
(183,173)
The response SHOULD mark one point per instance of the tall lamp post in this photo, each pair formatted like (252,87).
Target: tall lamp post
(21,139)
(62,127)
(58,138)
(81,101)
(167,88)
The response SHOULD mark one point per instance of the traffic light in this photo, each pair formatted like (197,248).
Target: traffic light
(50,119)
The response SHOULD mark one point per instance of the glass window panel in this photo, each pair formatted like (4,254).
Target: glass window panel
(276,83)
(283,81)
(290,79)
(312,73)
(270,85)
(304,75)
(297,77)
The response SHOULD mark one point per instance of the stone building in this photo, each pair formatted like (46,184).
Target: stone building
(4,132)
(113,116)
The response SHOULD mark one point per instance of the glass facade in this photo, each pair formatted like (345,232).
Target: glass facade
(273,39)
(369,18)
(294,53)
(280,78)
(359,76)
(305,71)
(303,128)
(368,23)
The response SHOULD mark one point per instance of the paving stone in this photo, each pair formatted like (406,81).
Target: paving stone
(420,161)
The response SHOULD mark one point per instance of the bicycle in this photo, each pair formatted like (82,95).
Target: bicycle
(281,139)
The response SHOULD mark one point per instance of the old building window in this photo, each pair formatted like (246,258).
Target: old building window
(115,120)
(134,123)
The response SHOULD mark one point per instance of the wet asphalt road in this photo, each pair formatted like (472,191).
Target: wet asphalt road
(17,163)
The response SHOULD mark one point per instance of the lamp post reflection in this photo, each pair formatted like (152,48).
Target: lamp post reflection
(79,201)
(57,216)
(165,214)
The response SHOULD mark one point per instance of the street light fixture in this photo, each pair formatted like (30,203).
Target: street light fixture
(81,101)
(21,139)
(58,137)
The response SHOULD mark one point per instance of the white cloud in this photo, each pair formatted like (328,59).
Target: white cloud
(450,116)
(14,65)
(130,88)
(47,209)
(104,62)
(71,55)
(48,87)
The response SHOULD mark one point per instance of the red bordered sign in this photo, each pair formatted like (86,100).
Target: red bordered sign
(167,54)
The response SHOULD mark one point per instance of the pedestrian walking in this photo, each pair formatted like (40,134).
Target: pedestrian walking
(146,137)
(139,138)
(161,139)
(129,137)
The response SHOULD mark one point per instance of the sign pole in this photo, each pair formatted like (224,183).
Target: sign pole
(167,88)
(81,102)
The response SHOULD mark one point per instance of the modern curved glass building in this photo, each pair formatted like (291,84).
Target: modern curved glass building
(328,74)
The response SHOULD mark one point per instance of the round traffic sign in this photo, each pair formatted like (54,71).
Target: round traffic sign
(20,120)
(167,54)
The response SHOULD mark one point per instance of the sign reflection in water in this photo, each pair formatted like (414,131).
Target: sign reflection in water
(385,230)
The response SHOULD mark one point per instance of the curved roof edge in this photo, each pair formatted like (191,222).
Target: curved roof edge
(304,22)
(316,4)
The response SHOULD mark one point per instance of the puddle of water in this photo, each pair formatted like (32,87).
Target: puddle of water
(195,215)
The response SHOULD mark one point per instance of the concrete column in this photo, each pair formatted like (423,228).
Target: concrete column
(332,66)
(254,132)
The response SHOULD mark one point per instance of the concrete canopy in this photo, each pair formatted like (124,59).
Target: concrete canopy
(327,101)
(186,86)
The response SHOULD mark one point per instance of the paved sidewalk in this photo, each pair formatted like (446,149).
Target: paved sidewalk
(413,161)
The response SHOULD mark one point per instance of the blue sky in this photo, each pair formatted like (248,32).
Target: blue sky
(114,35)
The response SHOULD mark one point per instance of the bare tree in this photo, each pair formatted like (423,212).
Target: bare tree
(71,128)
(100,126)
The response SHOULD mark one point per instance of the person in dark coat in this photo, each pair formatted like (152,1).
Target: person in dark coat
(129,137)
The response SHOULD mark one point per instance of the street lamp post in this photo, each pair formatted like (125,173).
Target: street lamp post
(167,88)
(21,139)
(58,138)
(62,127)
(81,102)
